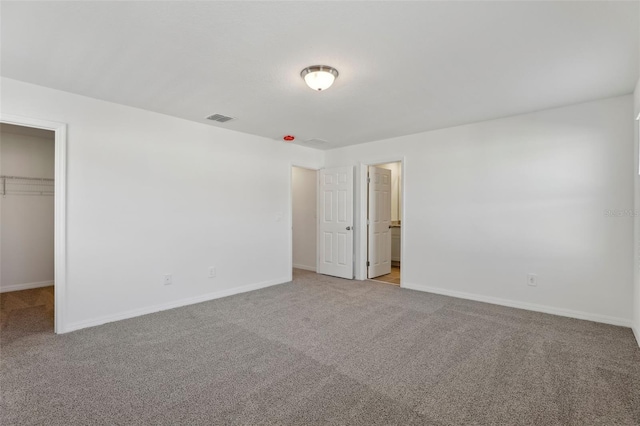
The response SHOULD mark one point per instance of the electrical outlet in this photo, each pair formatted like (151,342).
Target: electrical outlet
(168,279)
(212,271)
(532,279)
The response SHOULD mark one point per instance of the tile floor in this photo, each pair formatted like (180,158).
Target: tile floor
(392,278)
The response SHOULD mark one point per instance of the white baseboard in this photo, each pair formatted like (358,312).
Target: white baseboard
(305,267)
(26,286)
(523,305)
(636,332)
(170,305)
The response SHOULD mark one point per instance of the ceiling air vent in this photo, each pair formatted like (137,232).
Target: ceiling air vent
(316,142)
(220,118)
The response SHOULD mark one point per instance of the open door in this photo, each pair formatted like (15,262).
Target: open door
(335,227)
(379,220)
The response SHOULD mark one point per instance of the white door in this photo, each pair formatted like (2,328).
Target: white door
(335,228)
(379,222)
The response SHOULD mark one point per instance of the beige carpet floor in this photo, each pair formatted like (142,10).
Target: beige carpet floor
(322,350)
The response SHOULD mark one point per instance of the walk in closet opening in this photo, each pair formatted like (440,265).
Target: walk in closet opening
(27,190)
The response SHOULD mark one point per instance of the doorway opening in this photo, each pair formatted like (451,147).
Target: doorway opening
(304,219)
(26,224)
(384,200)
(32,226)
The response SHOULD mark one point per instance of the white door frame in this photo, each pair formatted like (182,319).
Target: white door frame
(290,218)
(60,213)
(362,197)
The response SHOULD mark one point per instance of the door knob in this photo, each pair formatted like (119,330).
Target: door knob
(348,228)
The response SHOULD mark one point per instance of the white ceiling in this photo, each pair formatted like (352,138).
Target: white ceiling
(405,67)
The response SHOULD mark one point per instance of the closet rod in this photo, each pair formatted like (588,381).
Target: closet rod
(19,185)
(27,178)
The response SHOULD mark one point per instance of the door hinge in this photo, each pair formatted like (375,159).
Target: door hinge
(368,179)
(368,263)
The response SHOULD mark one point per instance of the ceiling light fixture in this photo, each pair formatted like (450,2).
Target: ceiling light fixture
(319,77)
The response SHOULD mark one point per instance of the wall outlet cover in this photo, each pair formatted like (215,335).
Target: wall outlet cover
(532,279)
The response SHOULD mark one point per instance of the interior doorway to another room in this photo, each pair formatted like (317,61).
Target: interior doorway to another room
(384,222)
(304,218)
(27,189)
(59,130)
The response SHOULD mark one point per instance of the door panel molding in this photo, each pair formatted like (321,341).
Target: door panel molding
(335,222)
(361,209)
(379,222)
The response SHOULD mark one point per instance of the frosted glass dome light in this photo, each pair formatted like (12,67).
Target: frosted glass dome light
(319,77)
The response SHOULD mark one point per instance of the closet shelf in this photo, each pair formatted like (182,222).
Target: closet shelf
(22,185)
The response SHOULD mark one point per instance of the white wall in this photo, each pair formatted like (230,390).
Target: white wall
(305,213)
(150,194)
(396,175)
(26,221)
(487,203)
(636,173)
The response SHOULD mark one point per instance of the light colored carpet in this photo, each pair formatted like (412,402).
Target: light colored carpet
(323,350)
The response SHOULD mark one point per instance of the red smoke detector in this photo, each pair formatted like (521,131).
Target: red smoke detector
(289,138)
